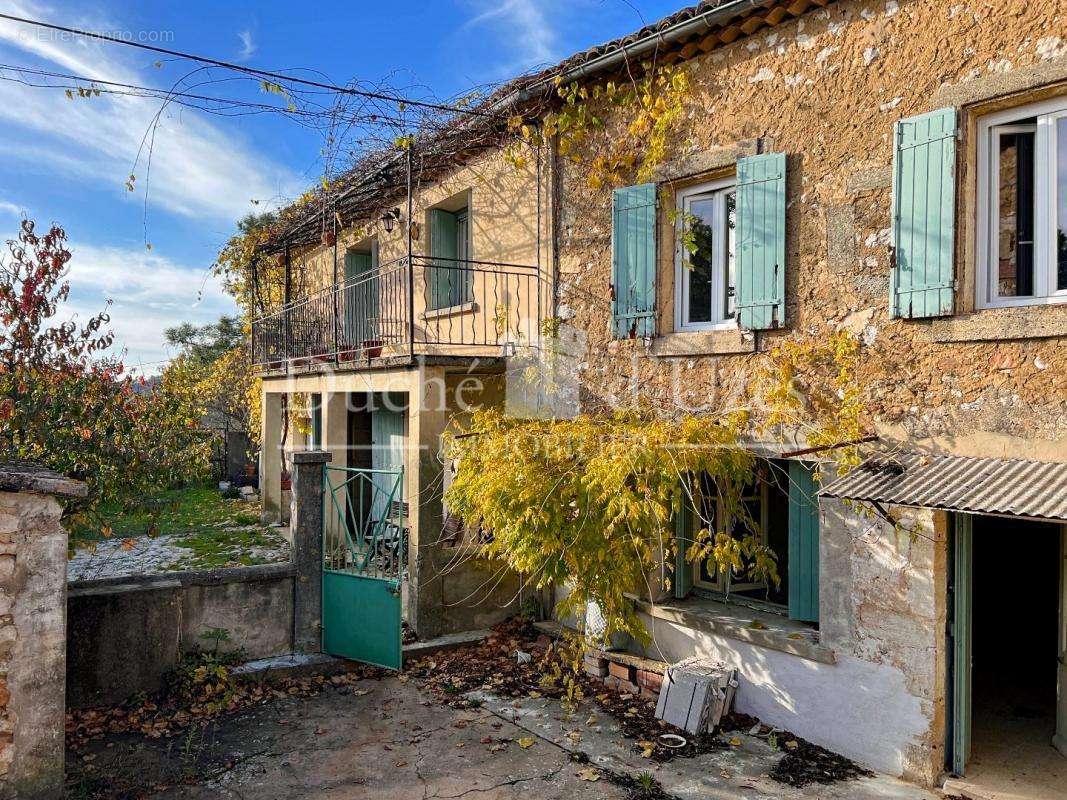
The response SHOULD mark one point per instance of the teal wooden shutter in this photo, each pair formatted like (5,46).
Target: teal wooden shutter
(924,215)
(633,261)
(761,241)
(356,263)
(360,298)
(803,543)
(683,536)
(442,246)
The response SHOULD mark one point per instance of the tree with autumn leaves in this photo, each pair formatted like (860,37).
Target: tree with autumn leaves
(66,402)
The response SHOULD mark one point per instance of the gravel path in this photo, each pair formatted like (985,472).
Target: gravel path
(153,555)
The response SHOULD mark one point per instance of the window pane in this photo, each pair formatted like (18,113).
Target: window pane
(702,212)
(1061,194)
(731,228)
(1015,216)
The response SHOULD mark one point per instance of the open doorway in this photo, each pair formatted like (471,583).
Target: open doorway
(1008,603)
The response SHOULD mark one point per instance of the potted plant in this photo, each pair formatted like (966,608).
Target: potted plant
(372,348)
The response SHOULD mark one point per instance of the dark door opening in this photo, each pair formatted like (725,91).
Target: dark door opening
(1015,618)
(1012,611)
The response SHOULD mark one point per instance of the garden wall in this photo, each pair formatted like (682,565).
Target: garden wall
(33,573)
(125,634)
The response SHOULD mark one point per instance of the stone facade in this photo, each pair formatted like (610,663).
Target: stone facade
(33,584)
(826,89)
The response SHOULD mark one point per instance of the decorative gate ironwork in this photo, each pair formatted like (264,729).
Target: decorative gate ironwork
(364,550)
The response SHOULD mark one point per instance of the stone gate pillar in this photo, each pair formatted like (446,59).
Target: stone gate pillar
(306,526)
(33,629)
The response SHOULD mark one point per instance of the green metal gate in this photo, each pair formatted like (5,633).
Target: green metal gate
(364,564)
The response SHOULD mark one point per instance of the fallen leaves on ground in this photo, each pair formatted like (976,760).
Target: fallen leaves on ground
(491,666)
(166,714)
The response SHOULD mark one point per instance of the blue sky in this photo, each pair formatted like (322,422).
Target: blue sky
(67,161)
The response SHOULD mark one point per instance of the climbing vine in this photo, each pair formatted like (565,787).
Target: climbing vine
(653,104)
(810,386)
(588,502)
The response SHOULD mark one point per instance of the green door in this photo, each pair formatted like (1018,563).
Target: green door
(361,619)
(364,565)
(960,642)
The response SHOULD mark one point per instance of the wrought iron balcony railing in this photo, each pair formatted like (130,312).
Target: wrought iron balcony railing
(429,306)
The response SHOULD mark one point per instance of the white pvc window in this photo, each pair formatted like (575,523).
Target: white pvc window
(704,276)
(1022,206)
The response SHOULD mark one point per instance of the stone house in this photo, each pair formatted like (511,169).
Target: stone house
(386,347)
(893,168)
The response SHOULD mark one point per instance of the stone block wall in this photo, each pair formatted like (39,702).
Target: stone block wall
(826,89)
(33,577)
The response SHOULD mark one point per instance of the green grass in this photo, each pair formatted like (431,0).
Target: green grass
(217,532)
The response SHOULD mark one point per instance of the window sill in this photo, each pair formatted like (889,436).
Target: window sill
(451,311)
(758,628)
(727,341)
(1002,324)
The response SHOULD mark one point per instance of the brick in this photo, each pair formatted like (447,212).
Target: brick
(649,680)
(624,672)
(649,694)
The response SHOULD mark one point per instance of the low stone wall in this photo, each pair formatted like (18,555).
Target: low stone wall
(125,634)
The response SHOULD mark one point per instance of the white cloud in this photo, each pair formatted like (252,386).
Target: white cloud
(198,169)
(150,293)
(248,44)
(12,209)
(525,26)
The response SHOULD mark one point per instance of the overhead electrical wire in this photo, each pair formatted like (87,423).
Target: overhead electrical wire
(260,73)
(105,86)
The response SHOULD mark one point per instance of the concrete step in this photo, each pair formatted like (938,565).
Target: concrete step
(299,665)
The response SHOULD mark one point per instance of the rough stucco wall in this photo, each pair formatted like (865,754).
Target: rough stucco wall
(123,637)
(829,704)
(883,603)
(503,202)
(33,573)
(826,89)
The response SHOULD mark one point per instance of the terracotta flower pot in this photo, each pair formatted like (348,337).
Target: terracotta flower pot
(372,348)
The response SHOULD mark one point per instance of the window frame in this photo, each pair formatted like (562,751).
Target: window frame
(990,128)
(725,525)
(720,259)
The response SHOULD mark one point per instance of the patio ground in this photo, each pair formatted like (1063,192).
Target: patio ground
(390,738)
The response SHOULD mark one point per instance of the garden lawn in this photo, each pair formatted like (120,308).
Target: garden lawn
(192,528)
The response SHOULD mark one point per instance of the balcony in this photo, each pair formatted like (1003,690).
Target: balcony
(400,311)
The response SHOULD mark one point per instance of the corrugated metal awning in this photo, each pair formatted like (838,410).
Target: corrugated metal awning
(1034,489)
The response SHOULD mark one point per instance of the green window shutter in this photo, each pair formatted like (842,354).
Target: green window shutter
(683,535)
(924,214)
(633,261)
(803,543)
(442,246)
(761,241)
(356,264)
